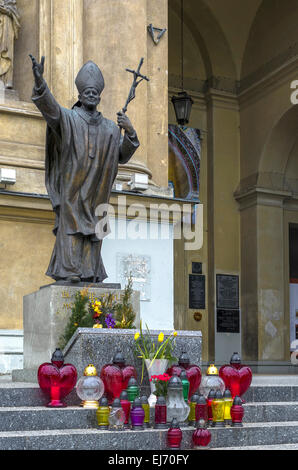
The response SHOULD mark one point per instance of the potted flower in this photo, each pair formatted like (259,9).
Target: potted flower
(156,355)
(161,384)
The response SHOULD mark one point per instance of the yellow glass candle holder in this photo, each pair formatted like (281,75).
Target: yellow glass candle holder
(146,408)
(218,410)
(192,411)
(228,400)
(102,414)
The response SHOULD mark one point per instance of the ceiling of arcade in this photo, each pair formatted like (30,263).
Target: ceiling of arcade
(237,40)
(232,45)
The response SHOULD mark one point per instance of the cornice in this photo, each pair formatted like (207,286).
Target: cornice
(259,196)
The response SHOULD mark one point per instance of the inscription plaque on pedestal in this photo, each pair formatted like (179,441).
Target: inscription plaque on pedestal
(196,291)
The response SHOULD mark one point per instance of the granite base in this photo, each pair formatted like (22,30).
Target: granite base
(98,346)
(45,315)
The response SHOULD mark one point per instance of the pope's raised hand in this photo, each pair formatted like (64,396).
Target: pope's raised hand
(38,70)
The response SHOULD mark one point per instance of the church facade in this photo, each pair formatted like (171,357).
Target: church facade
(240,66)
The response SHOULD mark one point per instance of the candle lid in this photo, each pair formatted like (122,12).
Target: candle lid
(202,400)
(175,383)
(118,358)
(144,400)
(211,393)
(194,398)
(90,371)
(237,401)
(116,403)
(184,359)
(103,402)
(132,382)
(124,395)
(161,401)
(174,424)
(227,394)
(57,355)
(212,370)
(218,394)
(183,375)
(235,359)
(137,403)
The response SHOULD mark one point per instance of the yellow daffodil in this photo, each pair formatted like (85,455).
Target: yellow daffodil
(137,335)
(97,303)
(97,325)
(161,337)
(75,324)
(175,333)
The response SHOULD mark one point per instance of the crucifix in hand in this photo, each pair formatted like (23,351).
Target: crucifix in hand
(137,79)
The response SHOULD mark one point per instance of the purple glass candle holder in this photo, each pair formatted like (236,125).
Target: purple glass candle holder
(137,415)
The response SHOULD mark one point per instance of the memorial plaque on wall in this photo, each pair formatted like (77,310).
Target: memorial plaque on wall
(228,321)
(227,292)
(196,291)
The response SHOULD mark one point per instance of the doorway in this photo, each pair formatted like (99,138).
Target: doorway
(293,274)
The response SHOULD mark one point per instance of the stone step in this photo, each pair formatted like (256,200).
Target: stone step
(41,418)
(29,394)
(271,393)
(28,418)
(264,447)
(263,412)
(251,435)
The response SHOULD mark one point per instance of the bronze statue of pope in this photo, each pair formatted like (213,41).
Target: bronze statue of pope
(83,150)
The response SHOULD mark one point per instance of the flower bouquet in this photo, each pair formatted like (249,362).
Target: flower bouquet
(155,355)
(161,384)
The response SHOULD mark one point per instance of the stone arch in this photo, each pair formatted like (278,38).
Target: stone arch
(278,164)
(209,37)
(267,42)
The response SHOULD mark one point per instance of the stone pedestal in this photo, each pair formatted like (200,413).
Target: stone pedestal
(45,314)
(98,346)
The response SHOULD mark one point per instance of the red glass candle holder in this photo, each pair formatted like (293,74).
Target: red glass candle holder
(236,376)
(56,379)
(237,412)
(202,409)
(161,413)
(174,435)
(193,372)
(126,406)
(210,399)
(115,376)
(201,436)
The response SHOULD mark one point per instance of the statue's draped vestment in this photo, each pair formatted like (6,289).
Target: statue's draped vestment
(82,157)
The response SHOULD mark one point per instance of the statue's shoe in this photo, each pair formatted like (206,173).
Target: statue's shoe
(73,279)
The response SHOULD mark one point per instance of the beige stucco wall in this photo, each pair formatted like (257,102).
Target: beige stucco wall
(25,254)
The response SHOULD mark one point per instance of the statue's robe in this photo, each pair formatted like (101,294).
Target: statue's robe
(82,157)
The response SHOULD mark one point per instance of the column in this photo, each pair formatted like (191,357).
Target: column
(157,15)
(264,319)
(61,41)
(115,37)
